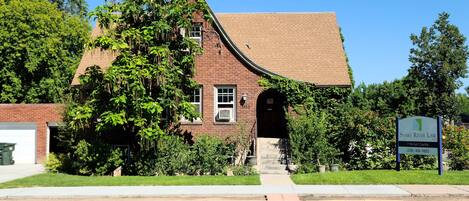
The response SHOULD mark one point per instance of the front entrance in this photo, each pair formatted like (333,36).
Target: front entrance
(271,121)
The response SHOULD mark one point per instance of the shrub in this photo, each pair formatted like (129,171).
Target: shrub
(243,170)
(173,157)
(96,158)
(456,141)
(210,155)
(365,140)
(241,142)
(308,140)
(54,163)
(306,168)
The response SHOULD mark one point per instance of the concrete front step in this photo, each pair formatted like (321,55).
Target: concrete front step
(272,156)
(272,161)
(274,167)
(280,172)
(277,161)
(272,145)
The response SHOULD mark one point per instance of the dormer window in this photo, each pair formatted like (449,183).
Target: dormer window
(196,32)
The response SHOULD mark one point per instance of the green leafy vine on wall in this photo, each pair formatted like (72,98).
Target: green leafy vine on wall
(303,94)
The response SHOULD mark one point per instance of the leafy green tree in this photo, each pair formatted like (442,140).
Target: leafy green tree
(363,137)
(39,50)
(74,7)
(463,107)
(143,95)
(388,99)
(439,61)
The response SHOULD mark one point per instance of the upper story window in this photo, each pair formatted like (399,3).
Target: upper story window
(225,104)
(196,32)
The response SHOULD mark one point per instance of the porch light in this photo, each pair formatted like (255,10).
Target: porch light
(244,98)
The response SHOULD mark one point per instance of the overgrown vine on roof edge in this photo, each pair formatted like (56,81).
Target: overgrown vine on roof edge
(303,94)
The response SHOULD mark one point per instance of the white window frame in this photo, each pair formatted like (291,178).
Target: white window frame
(200,103)
(216,103)
(200,32)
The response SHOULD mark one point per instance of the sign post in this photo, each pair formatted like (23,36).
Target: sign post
(419,136)
(398,156)
(440,146)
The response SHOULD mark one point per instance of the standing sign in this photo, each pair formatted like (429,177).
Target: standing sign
(419,136)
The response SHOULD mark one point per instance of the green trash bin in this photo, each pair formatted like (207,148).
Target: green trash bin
(6,153)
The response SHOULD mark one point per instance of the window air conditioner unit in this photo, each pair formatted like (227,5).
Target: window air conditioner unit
(198,40)
(225,114)
(182,31)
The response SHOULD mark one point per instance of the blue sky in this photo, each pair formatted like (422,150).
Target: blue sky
(376,32)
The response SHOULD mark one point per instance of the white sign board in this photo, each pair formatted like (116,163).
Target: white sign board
(418,136)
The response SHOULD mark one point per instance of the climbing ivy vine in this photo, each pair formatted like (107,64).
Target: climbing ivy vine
(306,94)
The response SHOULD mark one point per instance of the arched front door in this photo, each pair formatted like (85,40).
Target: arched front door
(271,121)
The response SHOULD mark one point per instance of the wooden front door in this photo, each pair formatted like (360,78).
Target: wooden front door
(271,115)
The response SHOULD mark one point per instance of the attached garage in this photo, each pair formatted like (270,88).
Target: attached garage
(24,136)
(29,126)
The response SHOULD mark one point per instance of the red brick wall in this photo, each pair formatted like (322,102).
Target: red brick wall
(38,113)
(216,66)
(219,66)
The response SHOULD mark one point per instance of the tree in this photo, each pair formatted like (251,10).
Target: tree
(74,7)
(143,95)
(439,61)
(463,107)
(388,99)
(39,50)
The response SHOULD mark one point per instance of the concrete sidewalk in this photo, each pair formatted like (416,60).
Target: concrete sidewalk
(12,172)
(306,190)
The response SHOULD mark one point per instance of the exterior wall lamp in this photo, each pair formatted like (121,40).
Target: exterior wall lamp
(244,98)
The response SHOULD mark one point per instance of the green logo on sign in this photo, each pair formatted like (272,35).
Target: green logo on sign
(418,125)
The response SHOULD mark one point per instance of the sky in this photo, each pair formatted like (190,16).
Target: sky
(376,32)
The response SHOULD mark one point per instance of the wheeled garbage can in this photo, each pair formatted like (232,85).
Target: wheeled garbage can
(6,153)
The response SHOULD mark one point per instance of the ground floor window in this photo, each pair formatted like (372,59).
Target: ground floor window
(196,100)
(225,104)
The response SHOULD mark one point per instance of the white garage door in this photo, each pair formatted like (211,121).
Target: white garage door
(24,135)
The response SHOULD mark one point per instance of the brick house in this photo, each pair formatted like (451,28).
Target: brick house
(238,50)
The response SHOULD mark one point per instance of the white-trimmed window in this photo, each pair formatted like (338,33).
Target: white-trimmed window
(225,104)
(196,32)
(195,99)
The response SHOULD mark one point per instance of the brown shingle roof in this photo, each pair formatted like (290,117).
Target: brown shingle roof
(94,57)
(299,46)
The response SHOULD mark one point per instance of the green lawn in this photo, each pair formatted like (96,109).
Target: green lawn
(48,179)
(384,177)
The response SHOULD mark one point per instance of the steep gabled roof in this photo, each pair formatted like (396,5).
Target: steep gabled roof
(300,46)
(94,57)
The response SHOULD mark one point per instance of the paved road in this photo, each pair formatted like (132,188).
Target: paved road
(245,198)
(390,199)
(253,198)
